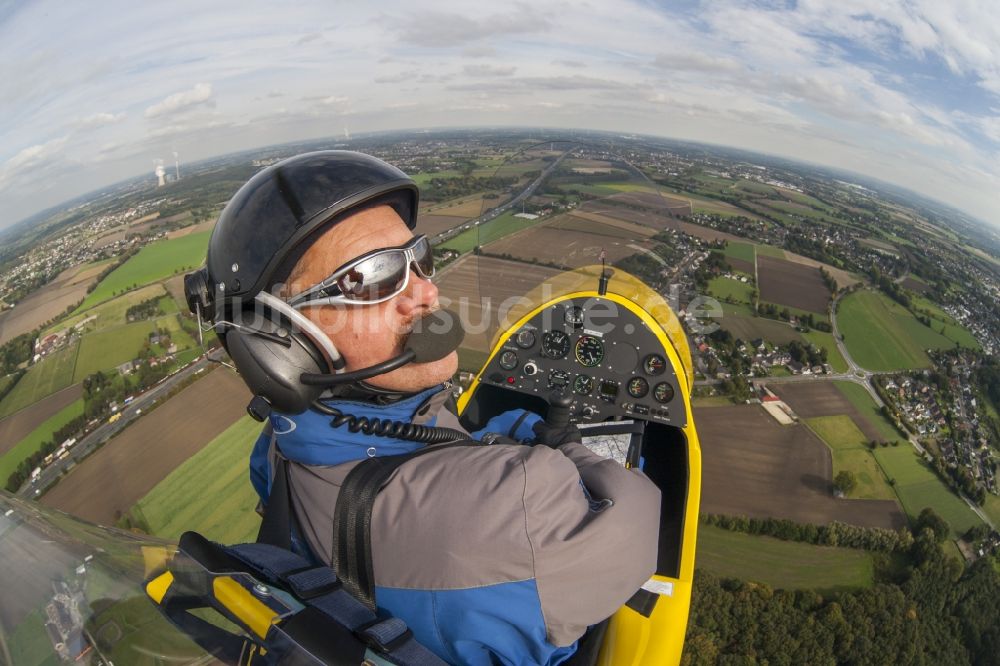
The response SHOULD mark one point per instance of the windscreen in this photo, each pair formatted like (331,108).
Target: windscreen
(554,216)
(76,593)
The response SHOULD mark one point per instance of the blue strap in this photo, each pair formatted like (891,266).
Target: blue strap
(318,587)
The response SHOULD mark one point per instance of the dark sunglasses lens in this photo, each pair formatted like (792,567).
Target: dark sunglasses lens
(424,255)
(374,278)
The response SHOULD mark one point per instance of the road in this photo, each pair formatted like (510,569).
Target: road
(105,431)
(493,213)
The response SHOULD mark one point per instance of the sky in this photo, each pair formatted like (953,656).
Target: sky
(904,91)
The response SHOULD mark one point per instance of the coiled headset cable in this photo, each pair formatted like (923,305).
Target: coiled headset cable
(412,432)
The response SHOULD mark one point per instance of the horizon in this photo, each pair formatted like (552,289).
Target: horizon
(903,94)
(423,131)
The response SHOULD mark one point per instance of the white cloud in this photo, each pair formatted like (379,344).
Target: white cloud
(100,119)
(768,76)
(30,160)
(200,94)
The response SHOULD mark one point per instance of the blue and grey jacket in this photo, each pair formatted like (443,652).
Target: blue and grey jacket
(491,554)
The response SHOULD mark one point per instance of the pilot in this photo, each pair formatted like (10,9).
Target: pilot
(504,552)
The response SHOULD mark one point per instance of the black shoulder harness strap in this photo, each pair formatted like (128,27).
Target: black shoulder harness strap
(352,519)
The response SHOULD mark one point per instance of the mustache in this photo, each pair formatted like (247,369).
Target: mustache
(406,327)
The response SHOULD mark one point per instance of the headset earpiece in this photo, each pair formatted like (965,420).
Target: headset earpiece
(272,353)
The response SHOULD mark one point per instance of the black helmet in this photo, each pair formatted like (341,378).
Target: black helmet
(273,219)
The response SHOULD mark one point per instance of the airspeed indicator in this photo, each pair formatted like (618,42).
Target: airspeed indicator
(589,351)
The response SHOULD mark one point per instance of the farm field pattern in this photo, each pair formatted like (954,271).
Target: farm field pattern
(148,450)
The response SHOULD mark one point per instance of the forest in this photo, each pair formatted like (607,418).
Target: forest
(925,608)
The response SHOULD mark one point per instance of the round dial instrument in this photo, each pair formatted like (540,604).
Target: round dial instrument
(508,360)
(638,387)
(589,351)
(583,384)
(525,339)
(555,344)
(663,392)
(574,315)
(654,364)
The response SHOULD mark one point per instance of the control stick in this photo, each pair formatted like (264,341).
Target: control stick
(558,414)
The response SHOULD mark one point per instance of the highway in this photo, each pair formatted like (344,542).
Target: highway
(105,431)
(493,213)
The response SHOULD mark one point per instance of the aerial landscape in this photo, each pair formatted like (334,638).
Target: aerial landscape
(844,330)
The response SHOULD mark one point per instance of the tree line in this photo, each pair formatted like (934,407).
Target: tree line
(924,609)
(834,534)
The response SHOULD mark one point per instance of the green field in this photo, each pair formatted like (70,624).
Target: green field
(944,323)
(29,643)
(111,347)
(740,321)
(881,335)
(43,433)
(112,313)
(919,487)
(742,251)
(711,401)
(6,380)
(422,179)
(770,251)
(755,187)
(834,357)
(725,288)
(992,508)
(154,262)
(493,230)
(52,373)
(782,564)
(794,210)
(863,402)
(850,454)
(210,493)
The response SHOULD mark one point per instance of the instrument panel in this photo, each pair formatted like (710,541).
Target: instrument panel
(598,352)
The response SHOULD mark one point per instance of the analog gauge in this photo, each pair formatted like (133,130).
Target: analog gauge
(525,338)
(638,387)
(574,316)
(654,364)
(663,392)
(589,351)
(555,344)
(508,360)
(583,385)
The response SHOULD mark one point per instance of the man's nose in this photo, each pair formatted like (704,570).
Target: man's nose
(420,294)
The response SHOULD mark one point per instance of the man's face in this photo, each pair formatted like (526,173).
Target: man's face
(369,334)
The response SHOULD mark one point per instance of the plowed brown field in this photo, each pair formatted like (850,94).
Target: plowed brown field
(754,467)
(109,482)
(792,284)
(19,425)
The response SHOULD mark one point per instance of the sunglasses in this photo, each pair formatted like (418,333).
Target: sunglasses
(373,277)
